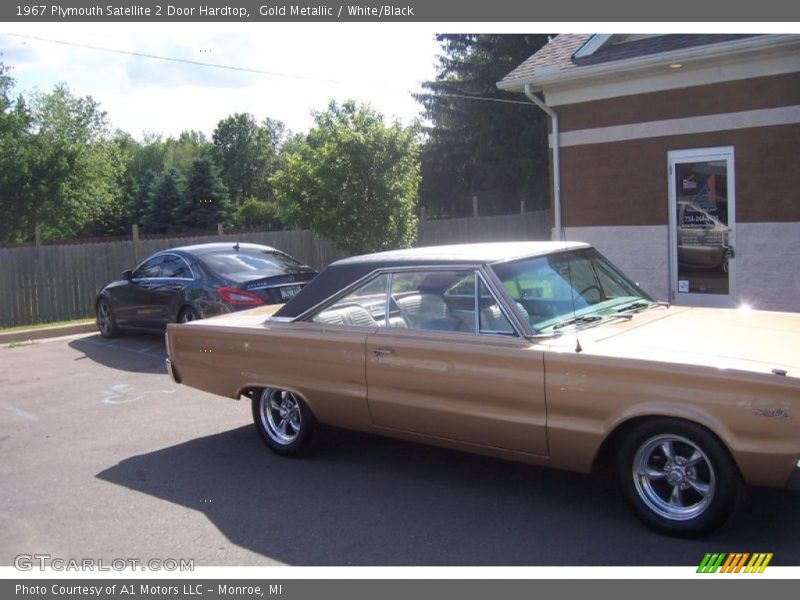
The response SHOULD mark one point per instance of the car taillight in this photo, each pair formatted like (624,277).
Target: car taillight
(238,297)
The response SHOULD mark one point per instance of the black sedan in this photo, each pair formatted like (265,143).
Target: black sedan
(194,282)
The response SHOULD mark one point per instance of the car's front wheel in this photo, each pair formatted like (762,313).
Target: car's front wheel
(284,422)
(106,322)
(678,477)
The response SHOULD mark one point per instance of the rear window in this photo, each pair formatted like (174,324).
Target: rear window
(249,260)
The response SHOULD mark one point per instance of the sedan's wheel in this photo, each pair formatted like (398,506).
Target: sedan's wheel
(105,321)
(188,315)
(284,421)
(678,477)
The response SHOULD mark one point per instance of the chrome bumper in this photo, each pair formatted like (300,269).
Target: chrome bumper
(171,370)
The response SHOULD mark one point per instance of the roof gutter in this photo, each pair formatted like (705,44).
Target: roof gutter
(557,233)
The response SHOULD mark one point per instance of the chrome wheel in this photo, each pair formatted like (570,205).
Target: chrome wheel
(281,416)
(105,321)
(187,316)
(674,477)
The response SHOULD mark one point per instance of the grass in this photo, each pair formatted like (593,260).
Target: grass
(43,325)
(17,344)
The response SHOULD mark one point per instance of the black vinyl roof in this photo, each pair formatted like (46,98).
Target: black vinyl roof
(342,273)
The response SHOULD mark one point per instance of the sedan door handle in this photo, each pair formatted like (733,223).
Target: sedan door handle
(382,351)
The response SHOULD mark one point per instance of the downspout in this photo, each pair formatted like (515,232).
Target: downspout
(556,163)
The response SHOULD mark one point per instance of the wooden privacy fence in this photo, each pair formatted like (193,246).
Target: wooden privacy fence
(503,228)
(43,284)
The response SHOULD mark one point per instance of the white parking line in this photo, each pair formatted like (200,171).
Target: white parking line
(24,414)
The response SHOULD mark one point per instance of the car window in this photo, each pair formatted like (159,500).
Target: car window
(252,261)
(149,268)
(550,290)
(492,318)
(175,266)
(432,300)
(363,307)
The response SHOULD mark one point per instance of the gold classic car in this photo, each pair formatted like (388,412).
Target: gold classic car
(539,352)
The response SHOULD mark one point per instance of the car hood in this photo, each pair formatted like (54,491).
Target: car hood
(746,340)
(115,284)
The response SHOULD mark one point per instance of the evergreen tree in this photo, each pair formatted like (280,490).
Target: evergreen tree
(140,201)
(168,193)
(206,200)
(494,150)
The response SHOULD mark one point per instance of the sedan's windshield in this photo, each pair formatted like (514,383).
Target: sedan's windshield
(572,288)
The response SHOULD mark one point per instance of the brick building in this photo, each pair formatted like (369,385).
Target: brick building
(678,156)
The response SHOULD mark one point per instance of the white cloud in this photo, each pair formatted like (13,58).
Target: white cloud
(299,68)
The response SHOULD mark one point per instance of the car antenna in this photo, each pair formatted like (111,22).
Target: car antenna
(578,347)
(236,246)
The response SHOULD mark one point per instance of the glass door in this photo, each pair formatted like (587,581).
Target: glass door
(701,220)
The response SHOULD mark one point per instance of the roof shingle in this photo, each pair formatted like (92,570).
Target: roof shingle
(558,54)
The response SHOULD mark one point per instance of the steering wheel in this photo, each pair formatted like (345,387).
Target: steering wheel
(591,287)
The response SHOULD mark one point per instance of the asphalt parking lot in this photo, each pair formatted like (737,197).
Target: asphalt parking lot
(104,457)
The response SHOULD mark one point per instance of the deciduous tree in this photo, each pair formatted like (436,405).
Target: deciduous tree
(66,165)
(354,179)
(245,153)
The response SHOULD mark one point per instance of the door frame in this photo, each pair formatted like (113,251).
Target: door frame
(675,157)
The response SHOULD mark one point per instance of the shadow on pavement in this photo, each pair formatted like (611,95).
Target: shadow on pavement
(365,500)
(137,353)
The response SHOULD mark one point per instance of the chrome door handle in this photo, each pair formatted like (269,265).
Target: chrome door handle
(382,351)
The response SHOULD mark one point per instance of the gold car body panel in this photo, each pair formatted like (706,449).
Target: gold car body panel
(232,354)
(486,390)
(712,367)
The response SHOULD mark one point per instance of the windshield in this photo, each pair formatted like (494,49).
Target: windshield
(252,261)
(569,289)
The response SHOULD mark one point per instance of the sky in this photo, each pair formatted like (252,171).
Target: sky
(302,67)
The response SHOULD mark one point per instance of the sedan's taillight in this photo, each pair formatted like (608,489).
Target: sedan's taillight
(238,297)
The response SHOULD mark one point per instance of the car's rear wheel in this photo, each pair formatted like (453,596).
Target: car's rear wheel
(106,322)
(284,422)
(678,477)
(187,315)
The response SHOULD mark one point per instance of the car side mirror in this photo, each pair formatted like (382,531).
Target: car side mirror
(127,274)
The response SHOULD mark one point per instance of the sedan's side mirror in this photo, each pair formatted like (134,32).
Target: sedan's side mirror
(127,274)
